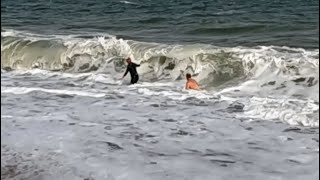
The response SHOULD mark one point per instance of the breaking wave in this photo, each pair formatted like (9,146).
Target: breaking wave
(282,70)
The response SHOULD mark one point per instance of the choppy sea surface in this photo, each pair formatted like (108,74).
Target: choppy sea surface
(66,115)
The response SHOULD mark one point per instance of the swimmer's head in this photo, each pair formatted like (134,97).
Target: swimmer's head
(188,76)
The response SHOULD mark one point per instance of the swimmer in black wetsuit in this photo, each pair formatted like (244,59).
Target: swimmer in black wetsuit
(131,67)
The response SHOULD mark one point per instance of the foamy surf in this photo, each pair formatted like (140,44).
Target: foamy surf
(291,111)
(260,69)
(25,90)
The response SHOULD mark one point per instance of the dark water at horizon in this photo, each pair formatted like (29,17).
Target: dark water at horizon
(292,23)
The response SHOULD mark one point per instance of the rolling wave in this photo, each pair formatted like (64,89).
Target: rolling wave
(286,70)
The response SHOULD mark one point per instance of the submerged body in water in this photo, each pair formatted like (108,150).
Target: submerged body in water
(191,83)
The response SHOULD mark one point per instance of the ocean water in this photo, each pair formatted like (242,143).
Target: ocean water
(66,115)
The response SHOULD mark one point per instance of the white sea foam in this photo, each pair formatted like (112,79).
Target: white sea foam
(26,90)
(128,2)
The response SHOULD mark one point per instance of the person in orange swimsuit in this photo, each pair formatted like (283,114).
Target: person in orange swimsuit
(191,83)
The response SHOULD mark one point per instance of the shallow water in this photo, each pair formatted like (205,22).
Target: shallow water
(77,126)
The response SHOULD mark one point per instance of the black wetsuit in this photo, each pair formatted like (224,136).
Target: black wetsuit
(132,68)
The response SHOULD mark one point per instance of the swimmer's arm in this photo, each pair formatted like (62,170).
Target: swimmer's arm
(197,83)
(199,87)
(187,87)
(126,72)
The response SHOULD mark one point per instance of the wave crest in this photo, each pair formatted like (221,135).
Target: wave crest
(271,67)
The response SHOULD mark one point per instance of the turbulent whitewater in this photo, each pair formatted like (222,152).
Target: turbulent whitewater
(268,73)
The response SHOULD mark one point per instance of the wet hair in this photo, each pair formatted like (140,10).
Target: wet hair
(188,76)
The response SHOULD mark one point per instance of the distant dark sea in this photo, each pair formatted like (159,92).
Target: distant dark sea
(292,23)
